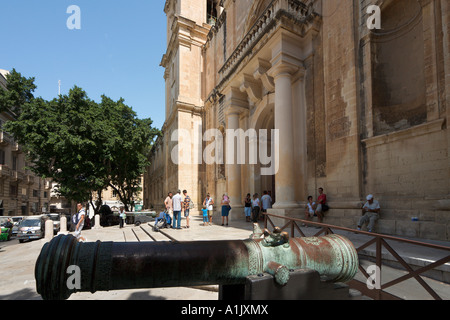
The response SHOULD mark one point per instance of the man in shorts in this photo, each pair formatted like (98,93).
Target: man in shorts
(186,207)
(266,201)
(78,221)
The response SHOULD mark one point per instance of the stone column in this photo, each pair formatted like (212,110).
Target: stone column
(233,172)
(236,104)
(285,180)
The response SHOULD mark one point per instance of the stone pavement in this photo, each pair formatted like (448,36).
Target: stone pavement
(17,276)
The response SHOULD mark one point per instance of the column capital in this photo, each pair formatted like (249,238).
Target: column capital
(261,74)
(285,64)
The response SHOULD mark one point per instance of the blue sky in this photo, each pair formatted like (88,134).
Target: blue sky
(116,52)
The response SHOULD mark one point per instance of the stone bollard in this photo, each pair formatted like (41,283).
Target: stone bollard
(63,225)
(97,222)
(48,230)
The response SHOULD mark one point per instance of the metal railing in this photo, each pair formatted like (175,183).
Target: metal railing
(380,241)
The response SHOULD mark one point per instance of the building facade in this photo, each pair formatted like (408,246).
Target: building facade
(356,108)
(22,193)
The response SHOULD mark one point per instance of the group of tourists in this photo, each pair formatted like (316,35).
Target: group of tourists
(254,207)
(175,205)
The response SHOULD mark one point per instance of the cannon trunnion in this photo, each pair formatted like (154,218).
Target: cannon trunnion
(105,266)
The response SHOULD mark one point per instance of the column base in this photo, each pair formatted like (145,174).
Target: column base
(286,205)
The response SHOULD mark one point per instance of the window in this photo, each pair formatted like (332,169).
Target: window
(211,12)
(13,190)
(2,157)
(14,164)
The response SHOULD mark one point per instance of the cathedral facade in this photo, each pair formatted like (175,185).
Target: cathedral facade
(288,96)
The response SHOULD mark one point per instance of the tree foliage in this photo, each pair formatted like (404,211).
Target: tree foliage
(85,146)
(19,92)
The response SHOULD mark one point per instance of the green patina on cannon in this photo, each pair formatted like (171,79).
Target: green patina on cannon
(105,266)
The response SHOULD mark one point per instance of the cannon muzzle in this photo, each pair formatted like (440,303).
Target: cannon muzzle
(66,266)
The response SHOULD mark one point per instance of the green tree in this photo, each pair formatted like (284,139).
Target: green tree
(129,142)
(85,146)
(19,92)
(59,137)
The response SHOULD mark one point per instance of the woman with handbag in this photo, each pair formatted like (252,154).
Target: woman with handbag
(225,208)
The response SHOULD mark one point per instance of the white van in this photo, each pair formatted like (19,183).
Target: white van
(31,228)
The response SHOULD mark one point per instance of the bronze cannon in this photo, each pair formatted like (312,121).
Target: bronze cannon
(105,266)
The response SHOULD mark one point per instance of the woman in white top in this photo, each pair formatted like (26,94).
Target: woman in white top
(256,207)
(309,210)
(208,203)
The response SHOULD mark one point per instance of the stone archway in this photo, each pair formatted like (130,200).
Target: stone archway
(263,119)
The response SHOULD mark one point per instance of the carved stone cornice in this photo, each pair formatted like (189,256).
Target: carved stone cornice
(261,74)
(235,101)
(253,88)
(187,33)
(291,14)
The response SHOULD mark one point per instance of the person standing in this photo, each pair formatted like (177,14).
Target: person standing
(78,221)
(225,208)
(256,207)
(186,207)
(205,216)
(248,207)
(209,202)
(176,202)
(122,216)
(168,204)
(266,201)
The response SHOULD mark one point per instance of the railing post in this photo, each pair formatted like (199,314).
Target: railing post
(378,258)
(292,229)
(265,220)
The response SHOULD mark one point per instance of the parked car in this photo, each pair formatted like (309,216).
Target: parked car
(16,221)
(141,217)
(6,228)
(31,228)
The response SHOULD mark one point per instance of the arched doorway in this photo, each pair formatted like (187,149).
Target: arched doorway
(264,124)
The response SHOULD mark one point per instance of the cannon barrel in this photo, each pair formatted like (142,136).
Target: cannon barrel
(105,266)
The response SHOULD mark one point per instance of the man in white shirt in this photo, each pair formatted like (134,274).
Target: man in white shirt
(78,221)
(176,203)
(371,211)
